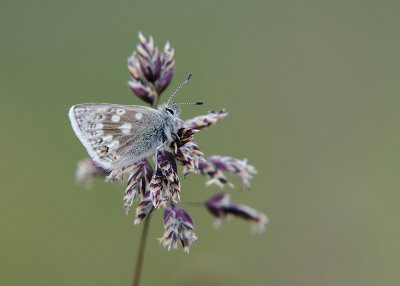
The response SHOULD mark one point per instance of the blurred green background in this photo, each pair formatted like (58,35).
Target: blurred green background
(312,88)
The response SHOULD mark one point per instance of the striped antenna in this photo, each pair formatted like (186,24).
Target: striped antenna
(189,103)
(179,87)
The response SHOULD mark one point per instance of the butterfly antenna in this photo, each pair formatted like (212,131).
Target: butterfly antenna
(190,103)
(179,87)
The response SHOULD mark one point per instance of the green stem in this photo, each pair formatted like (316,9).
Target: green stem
(156,101)
(140,256)
(145,230)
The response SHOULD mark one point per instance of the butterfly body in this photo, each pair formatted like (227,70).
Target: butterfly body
(117,136)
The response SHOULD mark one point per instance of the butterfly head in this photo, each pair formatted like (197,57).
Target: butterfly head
(170,110)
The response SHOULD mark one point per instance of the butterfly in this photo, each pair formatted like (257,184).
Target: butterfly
(116,136)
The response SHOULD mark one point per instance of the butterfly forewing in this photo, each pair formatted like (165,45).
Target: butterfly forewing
(116,135)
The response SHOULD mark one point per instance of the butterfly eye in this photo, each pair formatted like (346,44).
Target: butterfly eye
(170,110)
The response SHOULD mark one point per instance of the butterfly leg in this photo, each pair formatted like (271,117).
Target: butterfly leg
(176,139)
(155,156)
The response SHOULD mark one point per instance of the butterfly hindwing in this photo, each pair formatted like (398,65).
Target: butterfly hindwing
(116,135)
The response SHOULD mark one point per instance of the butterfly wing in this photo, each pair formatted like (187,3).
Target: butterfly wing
(116,136)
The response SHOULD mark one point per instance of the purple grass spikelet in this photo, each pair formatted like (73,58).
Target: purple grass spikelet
(144,208)
(167,68)
(149,58)
(235,166)
(203,121)
(157,184)
(151,71)
(138,180)
(222,208)
(213,174)
(178,226)
(87,170)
